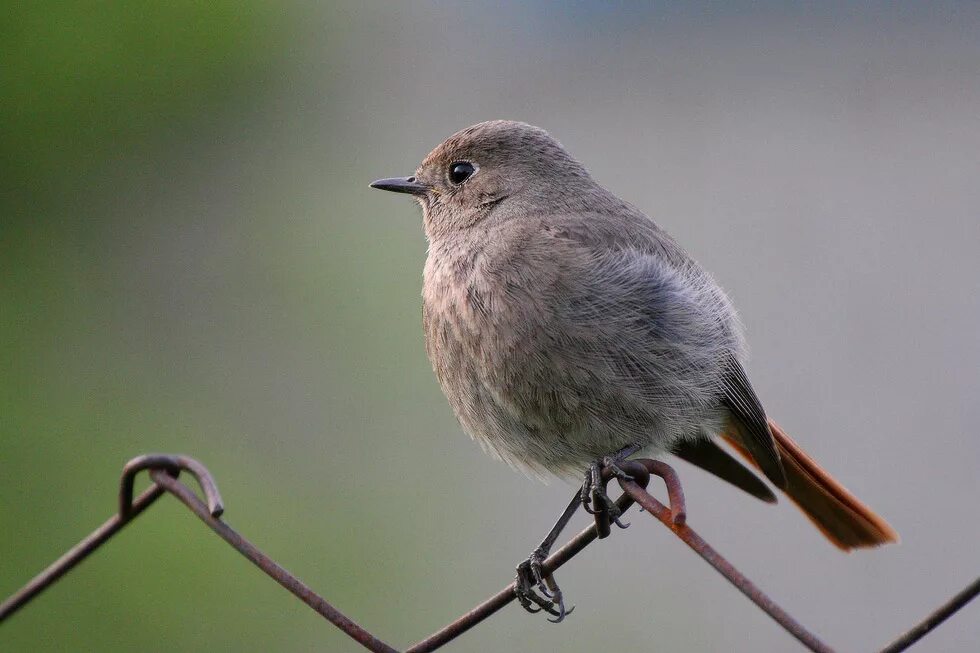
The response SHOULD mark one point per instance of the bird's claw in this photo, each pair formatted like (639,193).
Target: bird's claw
(537,592)
(561,612)
(536,573)
(535,587)
(593,493)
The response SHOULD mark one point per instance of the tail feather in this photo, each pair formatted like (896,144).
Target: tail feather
(841,517)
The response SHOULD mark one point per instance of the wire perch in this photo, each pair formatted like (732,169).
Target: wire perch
(164,471)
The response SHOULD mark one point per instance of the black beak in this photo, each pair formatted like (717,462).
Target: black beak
(401,185)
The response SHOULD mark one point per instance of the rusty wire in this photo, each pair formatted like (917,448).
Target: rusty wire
(941,614)
(165,469)
(674,519)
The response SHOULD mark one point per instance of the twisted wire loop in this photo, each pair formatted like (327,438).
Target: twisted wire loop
(164,470)
(173,464)
(129,509)
(632,475)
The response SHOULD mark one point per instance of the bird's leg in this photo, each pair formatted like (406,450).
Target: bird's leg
(593,493)
(530,576)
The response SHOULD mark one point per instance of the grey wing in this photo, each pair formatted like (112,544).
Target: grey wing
(663,333)
(750,422)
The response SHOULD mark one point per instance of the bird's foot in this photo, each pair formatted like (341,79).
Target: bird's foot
(537,592)
(595,501)
(535,588)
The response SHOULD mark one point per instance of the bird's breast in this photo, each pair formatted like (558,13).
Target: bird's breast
(498,354)
(469,322)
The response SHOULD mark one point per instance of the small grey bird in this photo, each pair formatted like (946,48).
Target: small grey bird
(565,326)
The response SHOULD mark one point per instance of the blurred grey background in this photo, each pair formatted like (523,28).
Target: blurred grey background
(191,261)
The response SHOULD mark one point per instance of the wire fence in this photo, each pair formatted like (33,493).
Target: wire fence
(164,471)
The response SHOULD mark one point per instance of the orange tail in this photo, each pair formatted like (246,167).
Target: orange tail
(839,515)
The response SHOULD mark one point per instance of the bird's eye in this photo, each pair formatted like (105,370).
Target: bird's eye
(461,171)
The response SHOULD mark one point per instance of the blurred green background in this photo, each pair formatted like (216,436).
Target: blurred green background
(191,261)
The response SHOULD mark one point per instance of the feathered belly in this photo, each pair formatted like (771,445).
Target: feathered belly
(545,408)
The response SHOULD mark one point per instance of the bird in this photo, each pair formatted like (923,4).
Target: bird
(568,330)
